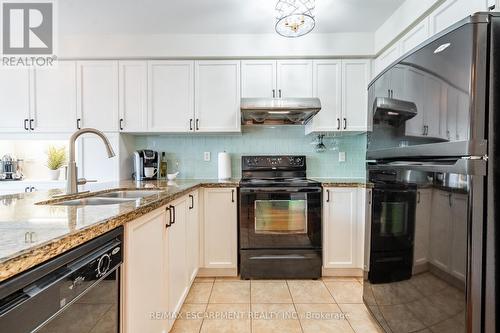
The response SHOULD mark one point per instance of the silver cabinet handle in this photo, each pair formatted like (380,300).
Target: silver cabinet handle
(418,197)
(192,201)
(31,124)
(232,195)
(197,124)
(169,217)
(78,121)
(327,195)
(345,123)
(279,93)
(26,124)
(191,124)
(274,93)
(338,123)
(121,124)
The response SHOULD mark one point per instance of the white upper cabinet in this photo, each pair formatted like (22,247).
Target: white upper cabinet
(452,11)
(14,100)
(55,98)
(217,96)
(97,94)
(133,96)
(258,79)
(171,96)
(294,78)
(355,79)
(327,86)
(415,36)
(386,58)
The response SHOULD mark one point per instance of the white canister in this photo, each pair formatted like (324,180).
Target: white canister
(224,167)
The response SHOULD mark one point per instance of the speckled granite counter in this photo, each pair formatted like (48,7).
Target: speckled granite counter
(56,229)
(343,182)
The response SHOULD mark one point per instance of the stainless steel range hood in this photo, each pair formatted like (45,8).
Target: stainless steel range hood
(393,111)
(283,111)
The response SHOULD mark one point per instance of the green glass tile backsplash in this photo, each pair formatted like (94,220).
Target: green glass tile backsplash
(188,150)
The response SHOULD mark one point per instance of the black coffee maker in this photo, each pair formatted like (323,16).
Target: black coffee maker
(146,165)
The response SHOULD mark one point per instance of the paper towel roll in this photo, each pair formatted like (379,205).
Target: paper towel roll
(224,169)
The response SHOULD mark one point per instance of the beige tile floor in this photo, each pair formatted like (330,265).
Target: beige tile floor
(260,306)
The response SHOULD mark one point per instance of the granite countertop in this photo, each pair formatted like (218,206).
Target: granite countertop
(343,182)
(57,229)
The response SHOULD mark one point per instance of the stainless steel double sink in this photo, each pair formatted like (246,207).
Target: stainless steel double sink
(110,198)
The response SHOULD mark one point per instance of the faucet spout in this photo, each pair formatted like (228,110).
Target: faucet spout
(73,182)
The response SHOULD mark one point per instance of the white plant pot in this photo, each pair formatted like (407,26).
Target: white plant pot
(54,174)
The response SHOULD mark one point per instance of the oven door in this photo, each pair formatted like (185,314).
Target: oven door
(280,218)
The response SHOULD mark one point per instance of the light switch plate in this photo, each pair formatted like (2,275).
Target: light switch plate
(341,156)
(206,156)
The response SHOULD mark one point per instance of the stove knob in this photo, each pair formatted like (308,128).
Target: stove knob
(103,264)
(298,161)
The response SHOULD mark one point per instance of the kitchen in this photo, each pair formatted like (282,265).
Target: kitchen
(308,185)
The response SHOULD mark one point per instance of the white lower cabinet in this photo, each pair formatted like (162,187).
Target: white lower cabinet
(220,229)
(160,263)
(193,235)
(178,282)
(144,278)
(422,224)
(343,224)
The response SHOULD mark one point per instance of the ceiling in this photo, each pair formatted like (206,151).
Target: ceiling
(212,16)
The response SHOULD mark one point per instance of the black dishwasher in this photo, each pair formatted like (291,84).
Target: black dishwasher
(77,291)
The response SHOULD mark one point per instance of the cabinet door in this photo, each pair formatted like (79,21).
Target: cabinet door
(93,162)
(440,229)
(220,228)
(193,235)
(97,94)
(422,224)
(459,238)
(258,78)
(178,284)
(355,76)
(145,274)
(452,11)
(14,99)
(415,36)
(433,107)
(133,96)
(217,96)
(398,82)
(171,96)
(295,78)
(340,229)
(386,58)
(416,89)
(327,87)
(55,98)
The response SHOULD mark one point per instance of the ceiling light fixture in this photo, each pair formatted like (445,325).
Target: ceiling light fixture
(295,17)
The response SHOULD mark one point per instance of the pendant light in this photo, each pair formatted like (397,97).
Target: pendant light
(295,18)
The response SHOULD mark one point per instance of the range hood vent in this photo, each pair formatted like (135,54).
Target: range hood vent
(393,111)
(273,111)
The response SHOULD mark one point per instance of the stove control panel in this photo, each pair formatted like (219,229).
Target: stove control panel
(282,162)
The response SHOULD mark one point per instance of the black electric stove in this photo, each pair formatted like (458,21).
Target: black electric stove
(280,219)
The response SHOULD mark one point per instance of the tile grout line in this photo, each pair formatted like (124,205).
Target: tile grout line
(336,303)
(206,306)
(296,311)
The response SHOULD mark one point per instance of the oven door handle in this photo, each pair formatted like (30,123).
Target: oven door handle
(280,189)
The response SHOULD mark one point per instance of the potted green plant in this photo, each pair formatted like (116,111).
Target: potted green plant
(56,158)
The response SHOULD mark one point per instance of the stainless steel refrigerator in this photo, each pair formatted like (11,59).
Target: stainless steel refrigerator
(432,242)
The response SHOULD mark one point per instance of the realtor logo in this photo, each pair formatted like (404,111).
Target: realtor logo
(27,28)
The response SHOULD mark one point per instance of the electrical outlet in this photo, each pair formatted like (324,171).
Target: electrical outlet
(206,156)
(341,156)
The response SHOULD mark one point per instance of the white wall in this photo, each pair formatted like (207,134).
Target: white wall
(407,14)
(234,45)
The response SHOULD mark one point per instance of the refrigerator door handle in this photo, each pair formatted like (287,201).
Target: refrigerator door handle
(465,165)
